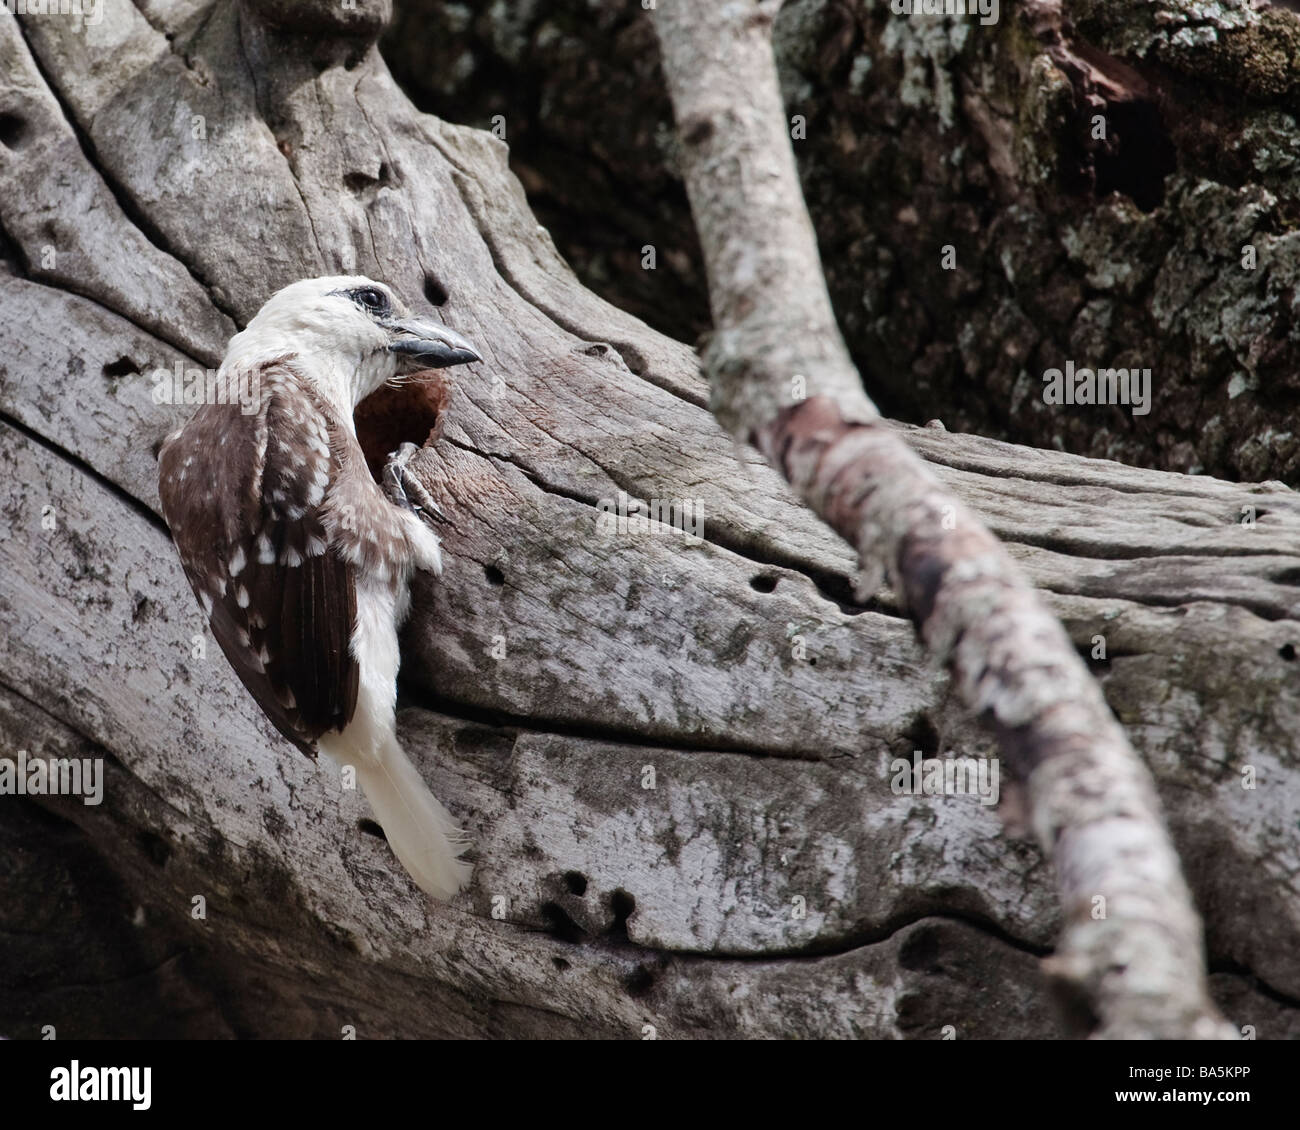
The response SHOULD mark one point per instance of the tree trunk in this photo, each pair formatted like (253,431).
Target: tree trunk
(673,755)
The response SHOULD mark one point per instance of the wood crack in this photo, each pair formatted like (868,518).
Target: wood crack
(130,211)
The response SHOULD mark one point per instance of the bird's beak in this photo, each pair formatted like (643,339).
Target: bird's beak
(434,346)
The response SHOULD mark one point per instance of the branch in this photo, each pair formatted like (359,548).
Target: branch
(782,380)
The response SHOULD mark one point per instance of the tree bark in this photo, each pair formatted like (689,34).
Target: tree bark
(161,175)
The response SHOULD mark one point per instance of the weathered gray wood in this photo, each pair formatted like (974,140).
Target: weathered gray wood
(619,653)
(201,799)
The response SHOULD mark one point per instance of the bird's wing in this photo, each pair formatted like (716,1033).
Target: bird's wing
(242,494)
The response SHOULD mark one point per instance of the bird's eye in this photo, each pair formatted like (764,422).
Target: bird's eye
(376,301)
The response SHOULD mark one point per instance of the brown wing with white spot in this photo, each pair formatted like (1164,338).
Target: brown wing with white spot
(242,495)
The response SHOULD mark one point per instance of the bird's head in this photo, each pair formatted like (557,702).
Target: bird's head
(354,334)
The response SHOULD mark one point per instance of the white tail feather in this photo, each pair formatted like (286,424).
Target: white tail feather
(422,833)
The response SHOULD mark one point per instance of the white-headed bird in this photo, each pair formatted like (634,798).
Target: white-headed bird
(300,560)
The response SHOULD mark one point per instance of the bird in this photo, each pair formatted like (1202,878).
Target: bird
(300,560)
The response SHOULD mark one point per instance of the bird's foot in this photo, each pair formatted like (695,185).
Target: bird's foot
(401,485)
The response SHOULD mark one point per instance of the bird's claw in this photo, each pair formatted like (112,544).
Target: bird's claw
(406,490)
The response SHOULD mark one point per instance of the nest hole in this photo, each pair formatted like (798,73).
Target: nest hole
(393,415)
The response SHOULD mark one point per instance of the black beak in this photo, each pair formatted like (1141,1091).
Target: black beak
(429,343)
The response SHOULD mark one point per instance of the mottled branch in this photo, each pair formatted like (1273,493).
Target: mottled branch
(782,380)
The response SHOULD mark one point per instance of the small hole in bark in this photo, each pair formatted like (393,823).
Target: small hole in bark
(358,182)
(922,735)
(13,131)
(1097,666)
(576,881)
(434,291)
(697,130)
(1140,158)
(494,575)
(640,982)
(560,925)
(122,367)
(155,847)
(1287,651)
(560,963)
(763,583)
(622,904)
(371,828)
(912,1010)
